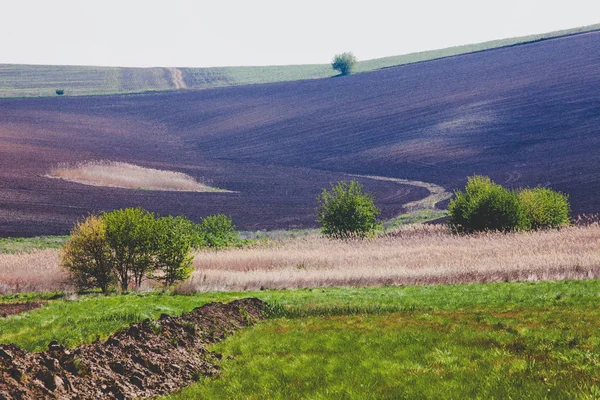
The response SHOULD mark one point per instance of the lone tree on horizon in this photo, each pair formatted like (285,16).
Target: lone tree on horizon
(343,63)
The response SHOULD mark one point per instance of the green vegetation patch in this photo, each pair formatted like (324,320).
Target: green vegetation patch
(76,321)
(20,245)
(73,322)
(448,354)
(501,340)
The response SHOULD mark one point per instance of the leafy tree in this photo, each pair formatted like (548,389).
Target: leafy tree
(217,231)
(346,212)
(130,234)
(486,206)
(544,208)
(344,63)
(87,255)
(176,237)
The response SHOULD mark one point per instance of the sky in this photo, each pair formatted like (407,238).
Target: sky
(187,33)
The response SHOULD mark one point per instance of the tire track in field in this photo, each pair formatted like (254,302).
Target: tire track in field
(177,78)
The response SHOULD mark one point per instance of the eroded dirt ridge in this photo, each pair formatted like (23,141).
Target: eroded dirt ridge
(148,359)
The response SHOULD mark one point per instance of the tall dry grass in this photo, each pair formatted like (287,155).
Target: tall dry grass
(37,271)
(129,176)
(412,255)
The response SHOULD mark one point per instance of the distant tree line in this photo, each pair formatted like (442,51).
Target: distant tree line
(123,247)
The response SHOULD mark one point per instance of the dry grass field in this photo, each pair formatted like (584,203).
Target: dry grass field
(37,271)
(127,176)
(419,254)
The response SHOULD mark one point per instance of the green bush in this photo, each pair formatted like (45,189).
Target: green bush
(175,237)
(131,235)
(486,206)
(346,212)
(88,257)
(217,231)
(544,208)
(344,63)
(131,244)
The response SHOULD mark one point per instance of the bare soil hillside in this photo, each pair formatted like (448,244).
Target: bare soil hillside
(525,115)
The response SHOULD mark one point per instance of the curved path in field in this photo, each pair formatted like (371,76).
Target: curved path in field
(437,194)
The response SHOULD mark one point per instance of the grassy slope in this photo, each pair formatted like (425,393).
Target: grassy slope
(75,322)
(428,355)
(42,80)
(477,341)
(486,341)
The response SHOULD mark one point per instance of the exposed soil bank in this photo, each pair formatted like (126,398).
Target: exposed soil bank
(148,359)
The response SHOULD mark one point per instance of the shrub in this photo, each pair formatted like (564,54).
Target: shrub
(486,206)
(344,63)
(60,92)
(131,244)
(544,208)
(87,255)
(346,212)
(175,239)
(131,236)
(216,231)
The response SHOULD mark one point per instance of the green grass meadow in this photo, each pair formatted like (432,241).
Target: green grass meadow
(502,340)
(24,245)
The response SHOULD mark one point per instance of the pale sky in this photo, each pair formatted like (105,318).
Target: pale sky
(186,33)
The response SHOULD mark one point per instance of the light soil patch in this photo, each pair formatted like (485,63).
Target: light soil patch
(177,78)
(128,176)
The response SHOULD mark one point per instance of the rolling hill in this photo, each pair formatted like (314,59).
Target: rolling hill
(525,115)
(43,80)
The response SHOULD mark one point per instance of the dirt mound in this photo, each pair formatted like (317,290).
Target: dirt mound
(17,308)
(148,359)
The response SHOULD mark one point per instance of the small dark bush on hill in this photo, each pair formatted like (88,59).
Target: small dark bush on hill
(344,63)
(60,92)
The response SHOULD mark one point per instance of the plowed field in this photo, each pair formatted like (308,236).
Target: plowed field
(525,115)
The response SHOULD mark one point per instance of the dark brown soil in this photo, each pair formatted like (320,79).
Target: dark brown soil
(149,359)
(17,308)
(525,115)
